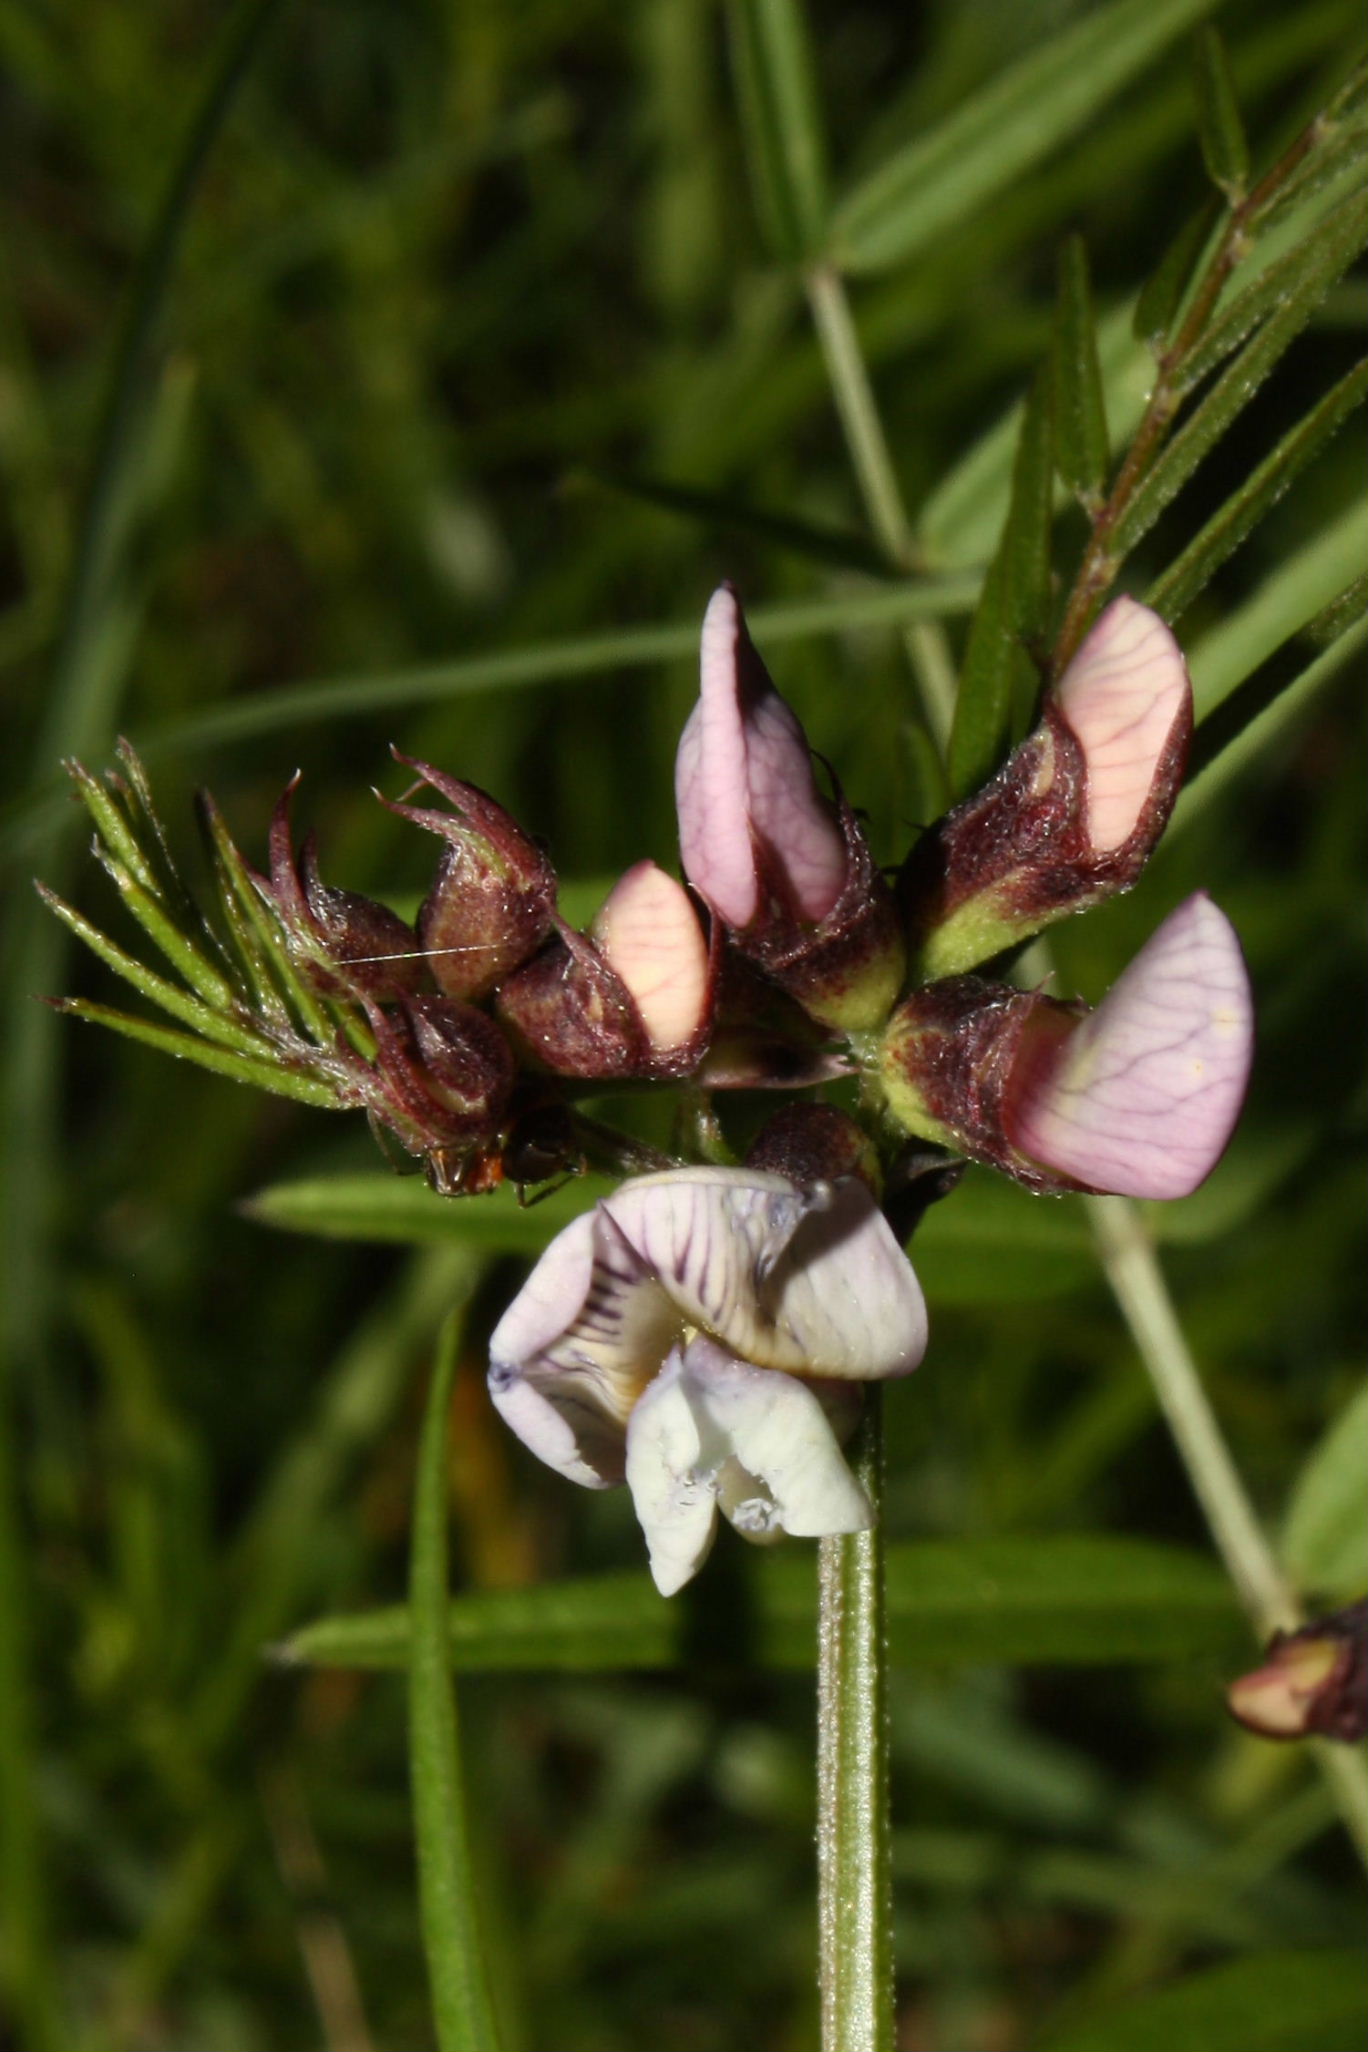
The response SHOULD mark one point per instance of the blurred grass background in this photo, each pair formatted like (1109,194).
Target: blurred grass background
(441,281)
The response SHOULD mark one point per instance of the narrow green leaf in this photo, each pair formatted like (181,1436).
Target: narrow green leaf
(1071,1599)
(837,547)
(201,1018)
(1238,384)
(1011,609)
(1224,148)
(983,702)
(1172,593)
(990,140)
(1166,287)
(462,2003)
(261,943)
(781,124)
(1325,1538)
(1082,446)
(1337,140)
(1296,281)
(1030,519)
(1314,2001)
(271,1075)
(112,824)
(182,953)
(402,1208)
(1230,733)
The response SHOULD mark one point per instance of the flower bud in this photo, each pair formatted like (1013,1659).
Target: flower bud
(1138,1097)
(568,1012)
(787,872)
(1073,815)
(814,1143)
(648,933)
(494,896)
(349,945)
(947,1059)
(1312,1681)
(443,1074)
(632,999)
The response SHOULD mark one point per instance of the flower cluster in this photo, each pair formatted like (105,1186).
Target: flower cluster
(698,1333)
(702,1333)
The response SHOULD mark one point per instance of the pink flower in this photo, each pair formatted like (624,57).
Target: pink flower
(750,815)
(1137,1098)
(1127,700)
(1073,815)
(1141,1096)
(648,933)
(786,871)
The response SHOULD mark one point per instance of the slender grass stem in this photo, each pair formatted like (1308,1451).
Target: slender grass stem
(855,1896)
(462,2004)
(873,464)
(1137,1280)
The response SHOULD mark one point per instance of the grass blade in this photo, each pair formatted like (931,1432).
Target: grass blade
(462,2002)
(1074,1599)
(836,547)
(781,124)
(1008,126)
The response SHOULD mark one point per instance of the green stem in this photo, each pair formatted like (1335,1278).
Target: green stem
(854,1879)
(1132,1268)
(878,482)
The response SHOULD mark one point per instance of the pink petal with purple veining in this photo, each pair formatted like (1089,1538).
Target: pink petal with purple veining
(1122,695)
(1141,1097)
(744,774)
(649,933)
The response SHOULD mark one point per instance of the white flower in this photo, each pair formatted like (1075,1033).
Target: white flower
(695,1336)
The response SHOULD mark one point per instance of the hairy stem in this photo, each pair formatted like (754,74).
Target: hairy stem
(854,1881)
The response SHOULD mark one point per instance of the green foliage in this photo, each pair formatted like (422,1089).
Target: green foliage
(1077,1601)
(301,332)
(1284,2002)
(1325,1538)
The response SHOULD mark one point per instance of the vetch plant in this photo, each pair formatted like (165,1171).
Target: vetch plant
(715,1332)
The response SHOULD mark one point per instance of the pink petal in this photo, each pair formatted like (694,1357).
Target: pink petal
(744,774)
(1141,1097)
(1122,695)
(649,933)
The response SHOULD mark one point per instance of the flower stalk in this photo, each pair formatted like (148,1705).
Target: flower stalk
(854,1870)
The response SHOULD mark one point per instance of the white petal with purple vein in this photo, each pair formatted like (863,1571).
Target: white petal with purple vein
(712,1431)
